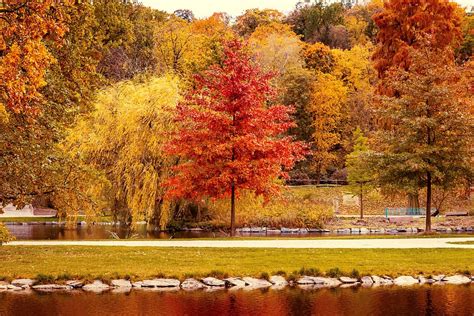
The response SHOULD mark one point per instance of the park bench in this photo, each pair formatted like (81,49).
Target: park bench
(408,211)
(457,214)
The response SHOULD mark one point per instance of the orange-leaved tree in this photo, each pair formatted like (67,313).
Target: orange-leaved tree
(230,137)
(401,23)
(24,57)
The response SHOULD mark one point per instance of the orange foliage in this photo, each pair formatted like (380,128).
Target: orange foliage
(403,23)
(25,26)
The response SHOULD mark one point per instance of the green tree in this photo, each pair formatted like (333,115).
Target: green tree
(428,127)
(359,175)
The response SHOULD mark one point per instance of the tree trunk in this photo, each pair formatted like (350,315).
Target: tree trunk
(232,210)
(361,201)
(428,202)
(413,201)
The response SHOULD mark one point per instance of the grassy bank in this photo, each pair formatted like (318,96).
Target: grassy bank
(50,219)
(112,262)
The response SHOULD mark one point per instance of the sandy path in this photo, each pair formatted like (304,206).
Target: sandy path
(405,243)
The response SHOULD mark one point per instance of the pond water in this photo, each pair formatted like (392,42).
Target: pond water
(426,300)
(92,232)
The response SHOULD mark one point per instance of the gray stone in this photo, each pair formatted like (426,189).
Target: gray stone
(210,281)
(303,231)
(422,279)
(23,282)
(192,284)
(52,287)
(457,279)
(278,280)
(380,281)
(405,281)
(12,287)
(344,279)
(364,230)
(355,230)
(305,280)
(256,283)
(326,282)
(237,282)
(161,283)
(367,281)
(96,286)
(285,230)
(75,283)
(439,277)
(121,283)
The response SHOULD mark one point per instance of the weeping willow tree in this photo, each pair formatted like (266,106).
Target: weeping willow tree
(124,139)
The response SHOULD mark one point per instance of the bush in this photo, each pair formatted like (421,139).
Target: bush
(5,235)
(334,273)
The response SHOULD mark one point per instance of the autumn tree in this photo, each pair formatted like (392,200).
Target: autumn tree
(248,22)
(428,138)
(174,40)
(124,140)
(33,163)
(316,22)
(400,24)
(406,26)
(24,56)
(126,34)
(229,139)
(327,107)
(359,175)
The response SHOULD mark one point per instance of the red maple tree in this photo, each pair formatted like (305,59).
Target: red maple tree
(230,137)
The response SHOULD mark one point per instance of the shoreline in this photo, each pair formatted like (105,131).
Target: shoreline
(277,282)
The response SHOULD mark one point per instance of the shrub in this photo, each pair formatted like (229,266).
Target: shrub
(310,272)
(5,235)
(45,278)
(355,274)
(334,273)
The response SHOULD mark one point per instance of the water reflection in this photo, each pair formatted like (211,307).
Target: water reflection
(434,300)
(90,232)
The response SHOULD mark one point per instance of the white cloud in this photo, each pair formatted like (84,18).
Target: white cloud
(204,8)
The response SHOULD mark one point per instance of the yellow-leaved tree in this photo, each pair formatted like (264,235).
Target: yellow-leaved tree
(326,105)
(124,138)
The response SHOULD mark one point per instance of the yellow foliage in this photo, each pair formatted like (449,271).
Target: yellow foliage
(125,138)
(276,47)
(290,209)
(353,67)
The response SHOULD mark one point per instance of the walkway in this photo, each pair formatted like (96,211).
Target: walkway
(404,243)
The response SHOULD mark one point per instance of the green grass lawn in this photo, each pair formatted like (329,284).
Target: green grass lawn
(64,262)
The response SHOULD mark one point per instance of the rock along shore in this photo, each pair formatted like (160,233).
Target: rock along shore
(233,283)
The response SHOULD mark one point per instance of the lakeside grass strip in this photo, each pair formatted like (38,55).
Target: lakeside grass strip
(62,262)
(462,243)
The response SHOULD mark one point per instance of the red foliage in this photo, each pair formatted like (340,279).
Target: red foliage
(230,134)
(409,23)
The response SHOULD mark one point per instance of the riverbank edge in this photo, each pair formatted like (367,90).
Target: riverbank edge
(307,282)
(272,231)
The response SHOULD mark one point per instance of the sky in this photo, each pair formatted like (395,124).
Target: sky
(205,8)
